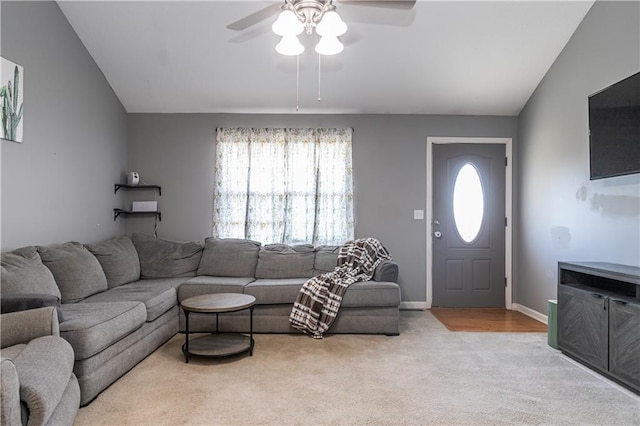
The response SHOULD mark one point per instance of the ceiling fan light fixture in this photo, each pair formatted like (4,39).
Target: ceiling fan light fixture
(329,45)
(331,25)
(289,46)
(287,24)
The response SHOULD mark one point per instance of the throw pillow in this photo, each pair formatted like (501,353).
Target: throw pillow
(119,260)
(77,272)
(166,259)
(23,273)
(229,257)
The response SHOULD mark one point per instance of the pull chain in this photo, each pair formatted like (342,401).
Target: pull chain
(319,69)
(297,82)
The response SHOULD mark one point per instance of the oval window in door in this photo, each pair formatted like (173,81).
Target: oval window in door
(468,203)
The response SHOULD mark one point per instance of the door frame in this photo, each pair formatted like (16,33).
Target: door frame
(508,210)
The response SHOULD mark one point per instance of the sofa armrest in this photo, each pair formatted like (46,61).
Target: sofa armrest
(24,326)
(10,410)
(24,302)
(387,271)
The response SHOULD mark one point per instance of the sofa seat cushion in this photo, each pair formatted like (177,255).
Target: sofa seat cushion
(44,367)
(274,291)
(24,273)
(13,351)
(208,285)
(91,327)
(371,293)
(119,260)
(158,295)
(76,271)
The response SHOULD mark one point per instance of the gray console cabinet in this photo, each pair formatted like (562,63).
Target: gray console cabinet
(624,340)
(599,318)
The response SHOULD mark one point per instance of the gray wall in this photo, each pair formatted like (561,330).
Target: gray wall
(176,151)
(58,184)
(564,215)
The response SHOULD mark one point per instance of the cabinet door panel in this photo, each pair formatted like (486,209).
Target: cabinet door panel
(583,325)
(624,341)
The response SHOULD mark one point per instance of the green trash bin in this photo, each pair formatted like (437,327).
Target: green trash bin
(552,324)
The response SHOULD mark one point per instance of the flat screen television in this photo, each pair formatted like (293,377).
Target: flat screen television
(614,129)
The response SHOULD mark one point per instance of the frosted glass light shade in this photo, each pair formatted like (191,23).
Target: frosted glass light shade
(287,24)
(329,45)
(331,25)
(289,46)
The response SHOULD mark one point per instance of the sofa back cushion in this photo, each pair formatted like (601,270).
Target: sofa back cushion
(229,257)
(76,271)
(326,259)
(119,260)
(166,259)
(23,273)
(284,261)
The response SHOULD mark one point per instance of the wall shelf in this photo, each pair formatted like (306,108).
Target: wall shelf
(124,186)
(118,212)
(118,186)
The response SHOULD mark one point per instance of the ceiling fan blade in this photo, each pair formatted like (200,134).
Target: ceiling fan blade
(256,17)
(389,4)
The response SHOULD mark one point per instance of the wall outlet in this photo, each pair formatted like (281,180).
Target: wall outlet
(418,214)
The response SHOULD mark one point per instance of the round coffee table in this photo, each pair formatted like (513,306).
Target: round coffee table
(218,344)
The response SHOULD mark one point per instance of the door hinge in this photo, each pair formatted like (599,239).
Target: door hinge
(505,281)
(506,161)
(505,221)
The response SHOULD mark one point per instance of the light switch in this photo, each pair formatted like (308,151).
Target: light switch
(418,214)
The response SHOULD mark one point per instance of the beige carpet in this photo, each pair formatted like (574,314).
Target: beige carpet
(427,375)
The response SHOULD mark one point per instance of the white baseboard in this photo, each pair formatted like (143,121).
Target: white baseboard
(530,313)
(413,306)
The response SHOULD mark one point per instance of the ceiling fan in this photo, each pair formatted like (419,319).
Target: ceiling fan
(297,16)
(311,10)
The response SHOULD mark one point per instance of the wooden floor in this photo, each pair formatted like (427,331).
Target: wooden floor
(487,319)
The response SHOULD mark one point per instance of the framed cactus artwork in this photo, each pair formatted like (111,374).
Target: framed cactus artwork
(11,101)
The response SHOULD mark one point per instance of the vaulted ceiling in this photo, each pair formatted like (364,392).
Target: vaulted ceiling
(437,57)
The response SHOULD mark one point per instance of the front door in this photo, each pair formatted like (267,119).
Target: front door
(468,229)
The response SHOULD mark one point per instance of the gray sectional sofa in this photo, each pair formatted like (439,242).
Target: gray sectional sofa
(118,300)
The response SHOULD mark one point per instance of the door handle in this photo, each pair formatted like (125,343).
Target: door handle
(437,234)
(619,302)
(596,296)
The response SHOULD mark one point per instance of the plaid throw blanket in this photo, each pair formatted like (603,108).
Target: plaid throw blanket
(319,299)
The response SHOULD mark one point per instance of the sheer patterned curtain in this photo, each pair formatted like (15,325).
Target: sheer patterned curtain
(284,185)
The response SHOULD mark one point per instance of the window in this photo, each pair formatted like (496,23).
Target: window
(284,185)
(468,203)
